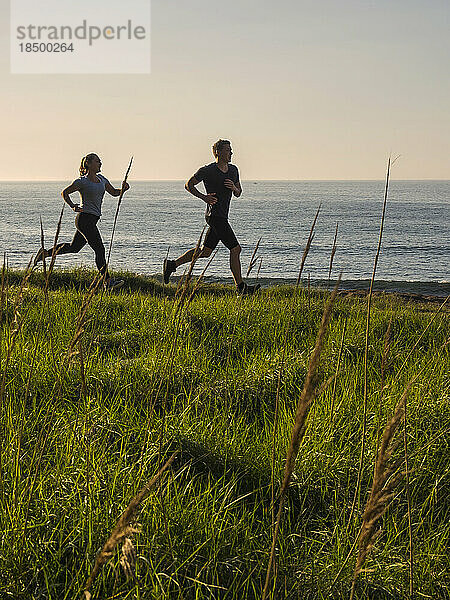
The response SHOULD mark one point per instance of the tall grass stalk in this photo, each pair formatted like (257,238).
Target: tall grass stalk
(180,306)
(185,286)
(2,287)
(200,279)
(338,366)
(333,252)
(83,317)
(308,395)
(44,264)
(408,500)
(309,292)
(253,259)
(3,291)
(259,268)
(47,275)
(119,202)
(384,360)
(384,357)
(3,297)
(366,349)
(19,319)
(26,395)
(54,251)
(77,342)
(123,526)
(282,362)
(385,480)
(307,247)
(439,310)
(46,429)
(386,477)
(57,391)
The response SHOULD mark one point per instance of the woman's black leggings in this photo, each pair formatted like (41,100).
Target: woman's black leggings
(87,233)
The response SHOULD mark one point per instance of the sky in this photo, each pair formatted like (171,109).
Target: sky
(305,90)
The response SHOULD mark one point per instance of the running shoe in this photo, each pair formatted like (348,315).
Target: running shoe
(169,267)
(113,284)
(247,290)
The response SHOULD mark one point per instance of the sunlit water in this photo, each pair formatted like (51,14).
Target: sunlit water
(157,215)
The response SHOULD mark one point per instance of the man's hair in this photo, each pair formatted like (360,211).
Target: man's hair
(218,146)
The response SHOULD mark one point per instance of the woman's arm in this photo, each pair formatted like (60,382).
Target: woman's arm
(74,187)
(115,191)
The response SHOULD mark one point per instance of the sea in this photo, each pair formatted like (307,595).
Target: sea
(159,218)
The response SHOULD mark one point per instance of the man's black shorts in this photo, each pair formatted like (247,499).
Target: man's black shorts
(219,231)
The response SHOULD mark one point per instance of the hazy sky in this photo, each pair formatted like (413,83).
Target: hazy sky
(320,89)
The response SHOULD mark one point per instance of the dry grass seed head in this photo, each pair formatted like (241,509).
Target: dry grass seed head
(386,478)
(123,527)
(128,559)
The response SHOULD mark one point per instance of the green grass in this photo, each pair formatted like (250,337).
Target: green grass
(204,384)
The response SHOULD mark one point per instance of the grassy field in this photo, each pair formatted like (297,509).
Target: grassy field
(87,421)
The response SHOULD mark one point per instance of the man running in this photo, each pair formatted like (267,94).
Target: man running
(221,181)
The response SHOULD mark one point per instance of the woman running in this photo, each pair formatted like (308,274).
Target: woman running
(92,186)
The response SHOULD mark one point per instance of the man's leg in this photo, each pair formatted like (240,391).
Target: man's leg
(228,237)
(189,255)
(235,264)
(170,266)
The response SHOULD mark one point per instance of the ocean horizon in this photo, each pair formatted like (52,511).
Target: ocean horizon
(160,217)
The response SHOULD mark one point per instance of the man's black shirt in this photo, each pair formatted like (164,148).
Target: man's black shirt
(213,179)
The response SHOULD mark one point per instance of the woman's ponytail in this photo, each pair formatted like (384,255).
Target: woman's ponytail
(85,162)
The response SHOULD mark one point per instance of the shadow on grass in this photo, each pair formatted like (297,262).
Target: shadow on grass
(249,480)
(80,279)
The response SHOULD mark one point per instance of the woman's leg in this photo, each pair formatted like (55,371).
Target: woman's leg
(88,227)
(78,242)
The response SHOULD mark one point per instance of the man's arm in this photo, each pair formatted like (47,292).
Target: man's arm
(234,187)
(190,187)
